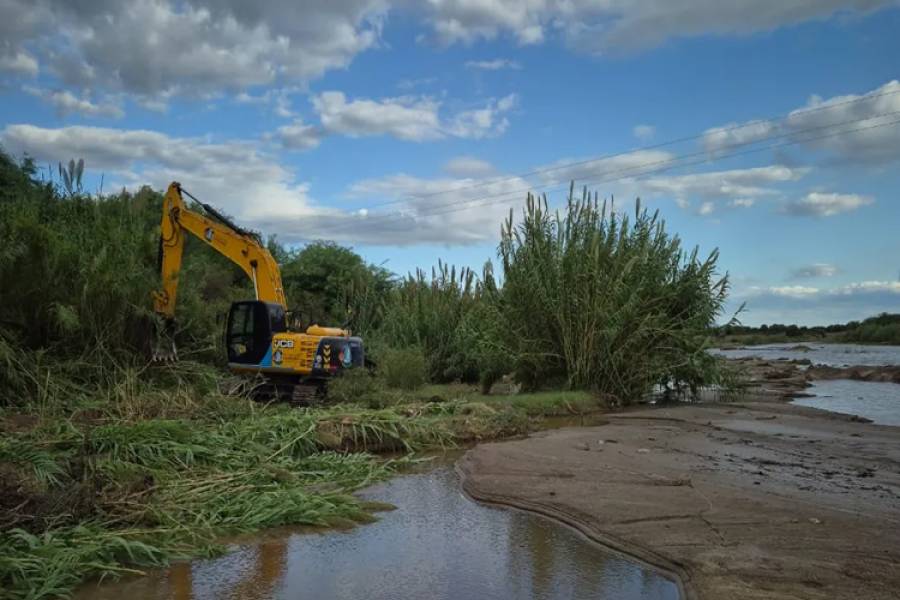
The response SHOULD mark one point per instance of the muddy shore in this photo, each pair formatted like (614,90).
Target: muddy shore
(746,500)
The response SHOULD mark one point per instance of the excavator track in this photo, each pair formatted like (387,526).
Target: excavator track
(305,393)
(308,394)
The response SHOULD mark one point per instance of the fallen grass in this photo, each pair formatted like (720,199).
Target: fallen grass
(101,492)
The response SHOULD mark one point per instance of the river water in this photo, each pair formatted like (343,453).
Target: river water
(835,355)
(873,400)
(877,401)
(438,544)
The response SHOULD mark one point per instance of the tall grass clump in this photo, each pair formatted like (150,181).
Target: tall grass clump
(76,273)
(427,313)
(604,302)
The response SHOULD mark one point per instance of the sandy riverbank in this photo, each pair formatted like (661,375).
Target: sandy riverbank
(747,500)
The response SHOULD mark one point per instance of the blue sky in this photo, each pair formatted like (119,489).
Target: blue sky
(408,130)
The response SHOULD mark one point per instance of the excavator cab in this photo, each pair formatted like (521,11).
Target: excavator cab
(249,330)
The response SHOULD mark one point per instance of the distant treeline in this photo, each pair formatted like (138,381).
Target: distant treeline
(880,329)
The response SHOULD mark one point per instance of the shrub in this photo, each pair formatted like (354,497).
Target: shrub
(403,368)
(357,385)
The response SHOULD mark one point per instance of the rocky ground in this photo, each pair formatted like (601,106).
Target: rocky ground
(788,378)
(748,500)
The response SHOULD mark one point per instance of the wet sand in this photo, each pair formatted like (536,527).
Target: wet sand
(753,500)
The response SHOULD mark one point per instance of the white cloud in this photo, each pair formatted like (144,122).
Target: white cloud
(235,175)
(66,103)
(458,211)
(792,291)
(644,133)
(632,175)
(620,166)
(299,136)
(162,48)
(819,306)
(871,136)
(493,65)
(406,117)
(868,287)
(410,118)
(735,188)
(20,63)
(277,99)
(246,182)
(482,122)
(726,137)
(199,47)
(609,25)
(741,202)
(814,270)
(707,208)
(469,166)
(826,204)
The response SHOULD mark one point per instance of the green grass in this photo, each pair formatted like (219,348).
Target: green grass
(96,494)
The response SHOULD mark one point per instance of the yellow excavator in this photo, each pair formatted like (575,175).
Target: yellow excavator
(288,365)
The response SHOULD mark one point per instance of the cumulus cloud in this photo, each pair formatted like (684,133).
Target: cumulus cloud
(868,120)
(449,210)
(161,48)
(623,25)
(826,204)
(20,63)
(483,122)
(405,117)
(239,177)
(199,47)
(469,166)
(813,271)
(299,136)
(644,133)
(636,174)
(605,168)
(733,189)
(493,65)
(235,175)
(410,118)
(731,135)
(67,103)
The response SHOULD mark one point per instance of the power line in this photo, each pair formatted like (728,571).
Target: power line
(672,142)
(662,169)
(637,170)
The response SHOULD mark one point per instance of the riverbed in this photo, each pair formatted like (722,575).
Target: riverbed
(749,500)
(437,544)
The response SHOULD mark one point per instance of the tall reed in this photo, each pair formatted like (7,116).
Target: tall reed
(606,302)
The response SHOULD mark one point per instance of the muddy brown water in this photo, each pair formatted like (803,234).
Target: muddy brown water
(438,544)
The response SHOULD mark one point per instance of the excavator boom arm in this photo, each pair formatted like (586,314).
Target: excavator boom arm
(239,246)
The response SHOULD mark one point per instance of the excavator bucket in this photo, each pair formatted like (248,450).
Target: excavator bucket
(164,350)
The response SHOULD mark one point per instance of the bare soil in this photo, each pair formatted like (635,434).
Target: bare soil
(747,500)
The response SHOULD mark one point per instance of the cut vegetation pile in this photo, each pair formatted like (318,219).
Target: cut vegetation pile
(109,463)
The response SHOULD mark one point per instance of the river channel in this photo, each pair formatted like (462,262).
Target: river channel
(437,544)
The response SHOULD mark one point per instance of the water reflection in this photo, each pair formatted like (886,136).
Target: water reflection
(438,545)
